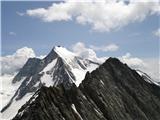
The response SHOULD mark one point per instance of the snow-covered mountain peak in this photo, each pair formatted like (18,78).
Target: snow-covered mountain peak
(59,66)
(63,52)
(73,67)
(67,56)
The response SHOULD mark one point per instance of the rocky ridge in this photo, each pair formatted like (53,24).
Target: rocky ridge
(111,92)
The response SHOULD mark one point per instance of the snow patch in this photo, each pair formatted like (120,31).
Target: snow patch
(100,114)
(8,89)
(11,111)
(84,97)
(49,66)
(33,98)
(47,78)
(147,78)
(102,82)
(37,84)
(29,81)
(64,53)
(74,108)
(80,73)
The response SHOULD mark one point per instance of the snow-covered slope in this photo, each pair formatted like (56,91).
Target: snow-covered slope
(59,66)
(7,89)
(6,93)
(147,78)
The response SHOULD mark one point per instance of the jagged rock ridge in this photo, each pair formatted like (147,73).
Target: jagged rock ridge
(111,92)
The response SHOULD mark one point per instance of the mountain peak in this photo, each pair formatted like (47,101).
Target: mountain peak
(63,52)
(113,60)
(60,66)
(111,92)
(60,51)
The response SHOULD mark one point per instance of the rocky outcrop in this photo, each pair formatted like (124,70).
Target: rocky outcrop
(111,92)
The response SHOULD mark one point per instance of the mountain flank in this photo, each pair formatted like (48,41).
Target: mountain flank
(111,92)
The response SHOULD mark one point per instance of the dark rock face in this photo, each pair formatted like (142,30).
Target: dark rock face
(111,92)
(34,65)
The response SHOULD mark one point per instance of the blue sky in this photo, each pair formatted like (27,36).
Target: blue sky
(18,31)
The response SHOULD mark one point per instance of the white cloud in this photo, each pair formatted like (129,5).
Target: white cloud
(12,63)
(133,62)
(12,33)
(107,48)
(148,65)
(152,68)
(20,13)
(81,50)
(101,15)
(157,32)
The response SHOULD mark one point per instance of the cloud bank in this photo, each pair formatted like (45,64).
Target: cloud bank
(12,63)
(148,65)
(107,48)
(133,62)
(101,15)
(81,50)
(157,32)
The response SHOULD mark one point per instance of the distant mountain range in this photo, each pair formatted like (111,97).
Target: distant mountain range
(52,89)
